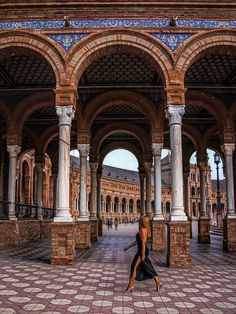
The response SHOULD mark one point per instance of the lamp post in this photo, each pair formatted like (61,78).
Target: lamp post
(218,208)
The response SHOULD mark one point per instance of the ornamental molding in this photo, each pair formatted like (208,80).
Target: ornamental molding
(172,41)
(117,23)
(66,41)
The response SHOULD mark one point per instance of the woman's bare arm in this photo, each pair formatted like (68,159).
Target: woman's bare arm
(143,235)
(130,245)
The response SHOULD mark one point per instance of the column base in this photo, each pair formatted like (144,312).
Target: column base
(229,239)
(82,235)
(204,230)
(178,245)
(158,235)
(93,230)
(100,227)
(63,243)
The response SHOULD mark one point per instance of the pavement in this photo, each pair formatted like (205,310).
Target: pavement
(96,284)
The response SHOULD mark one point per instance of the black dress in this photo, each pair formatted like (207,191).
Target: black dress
(145,269)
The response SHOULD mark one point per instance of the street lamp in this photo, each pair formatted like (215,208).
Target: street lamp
(218,208)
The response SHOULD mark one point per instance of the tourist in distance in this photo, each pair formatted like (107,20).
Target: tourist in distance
(141,267)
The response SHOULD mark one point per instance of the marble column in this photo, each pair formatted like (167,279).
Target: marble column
(142,199)
(148,171)
(39,189)
(54,177)
(99,175)
(13,151)
(156,150)
(228,150)
(65,114)
(83,210)
(202,170)
(174,114)
(93,201)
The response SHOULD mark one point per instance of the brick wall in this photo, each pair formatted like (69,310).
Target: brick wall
(13,233)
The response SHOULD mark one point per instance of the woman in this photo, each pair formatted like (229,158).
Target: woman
(141,267)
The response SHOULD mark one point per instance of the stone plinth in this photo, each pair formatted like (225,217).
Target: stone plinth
(82,235)
(229,240)
(178,244)
(93,230)
(17,232)
(63,243)
(100,227)
(158,235)
(204,230)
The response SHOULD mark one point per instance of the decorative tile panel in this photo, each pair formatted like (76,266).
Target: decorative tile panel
(66,41)
(172,40)
(116,23)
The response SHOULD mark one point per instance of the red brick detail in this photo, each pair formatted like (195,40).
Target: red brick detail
(229,240)
(14,233)
(93,231)
(158,235)
(178,245)
(98,45)
(204,230)
(63,243)
(100,224)
(83,240)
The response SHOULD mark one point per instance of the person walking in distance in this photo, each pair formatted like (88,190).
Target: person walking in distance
(116,223)
(141,267)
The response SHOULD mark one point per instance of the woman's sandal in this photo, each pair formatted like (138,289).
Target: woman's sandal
(129,289)
(159,286)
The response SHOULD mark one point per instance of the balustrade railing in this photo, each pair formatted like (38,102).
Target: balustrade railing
(26,211)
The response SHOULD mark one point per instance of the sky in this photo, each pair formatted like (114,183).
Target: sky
(122,158)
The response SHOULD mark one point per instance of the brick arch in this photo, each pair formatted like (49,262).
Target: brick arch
(232,114)
(208,135)
(212,104)
(40,44)
(199,46)
(6,113)
(28,105)
(115,127)
(108,99)
(46,138)
(193,134)
(99,44)
(120,145)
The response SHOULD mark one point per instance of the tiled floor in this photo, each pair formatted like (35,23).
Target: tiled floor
(28,283)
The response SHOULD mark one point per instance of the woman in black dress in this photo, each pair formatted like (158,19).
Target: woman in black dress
(141,267)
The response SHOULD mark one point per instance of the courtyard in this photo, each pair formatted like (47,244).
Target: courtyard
(96,284)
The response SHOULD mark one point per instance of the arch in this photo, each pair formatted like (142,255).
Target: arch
(198,45)
(40,44)
(46,138)
(110,98)
(193,134)
(115,127)
(168,207)
(131,206)
(120,145)
(99,44)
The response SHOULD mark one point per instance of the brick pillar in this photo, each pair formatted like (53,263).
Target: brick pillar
(178,244)
(63,243)
(158,235)
(93,230)
(229,240)
(83,240)
(204,230)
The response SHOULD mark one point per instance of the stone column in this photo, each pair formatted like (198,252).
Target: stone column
(65,114)
(142,199)
(83,225)
(54,177)
(39,200)
(93,203)
(229,222)
(99,175)
(204,221)
(148,171)
(158,223)
(13,151)
(178,231)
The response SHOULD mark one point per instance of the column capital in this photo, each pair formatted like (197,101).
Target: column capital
(174,113)
(93,166)
(83,149)
(157,148)
(13,150)
(228,148)
(65,114)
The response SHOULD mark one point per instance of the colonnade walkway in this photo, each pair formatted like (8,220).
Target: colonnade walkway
(96,284)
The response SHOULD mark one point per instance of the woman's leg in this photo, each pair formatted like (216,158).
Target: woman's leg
(157,282)
(132,278)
